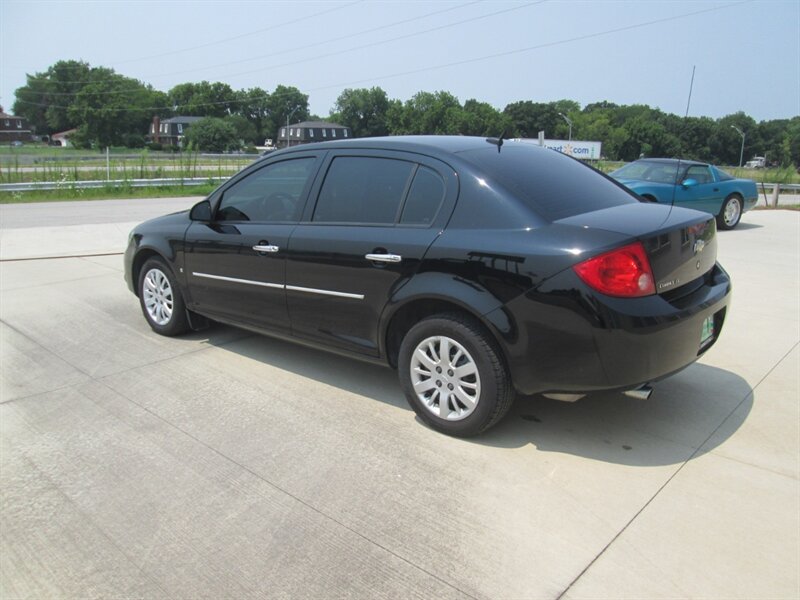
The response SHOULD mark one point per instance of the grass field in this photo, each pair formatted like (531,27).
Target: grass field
(68,166)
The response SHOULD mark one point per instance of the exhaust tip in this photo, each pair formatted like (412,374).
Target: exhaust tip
(641,393)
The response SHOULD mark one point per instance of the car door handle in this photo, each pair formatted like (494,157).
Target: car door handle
(265,248)
(387,258)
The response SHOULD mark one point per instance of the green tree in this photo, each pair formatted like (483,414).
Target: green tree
(46,97)
(285,102)
(725,142)
(253,105)
(203,99)
(363,110)
(426,113)
(112,106)
(245,130)
(213,134)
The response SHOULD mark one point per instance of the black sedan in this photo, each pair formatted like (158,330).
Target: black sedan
(477,268)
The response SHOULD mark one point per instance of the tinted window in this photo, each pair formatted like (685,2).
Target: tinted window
(424,198)
(700,174)
(646,170)
(723,176)
(270,194)
(551,184)
(359,189)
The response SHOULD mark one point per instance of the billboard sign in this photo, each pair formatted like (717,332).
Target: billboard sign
(573,148)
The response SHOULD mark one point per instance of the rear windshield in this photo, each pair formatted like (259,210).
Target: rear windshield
(553,185)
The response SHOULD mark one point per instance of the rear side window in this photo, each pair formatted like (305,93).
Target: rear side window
(360,189)
(424,198)
(551,184)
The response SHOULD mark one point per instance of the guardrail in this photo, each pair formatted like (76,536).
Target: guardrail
(789,187)
(192,181)
(110,183)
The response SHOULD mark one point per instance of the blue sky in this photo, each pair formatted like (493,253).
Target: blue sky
(747,54)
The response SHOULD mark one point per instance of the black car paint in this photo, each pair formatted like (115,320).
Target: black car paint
(485,254)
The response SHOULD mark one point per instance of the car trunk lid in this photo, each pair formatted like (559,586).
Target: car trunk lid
(681,244)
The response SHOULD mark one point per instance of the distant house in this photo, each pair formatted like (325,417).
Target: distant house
(170,132)
(312,131)
(62,138)
(14,129)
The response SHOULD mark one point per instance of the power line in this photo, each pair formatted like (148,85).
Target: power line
(289,50)
(466,61)
(381,42)
(359,47)
(241,35)
(531,48)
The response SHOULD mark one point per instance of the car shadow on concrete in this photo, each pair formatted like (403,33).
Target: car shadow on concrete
(742,226)
(682,419)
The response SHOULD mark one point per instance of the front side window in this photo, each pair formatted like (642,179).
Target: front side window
(359,189)
(180,128)
(19,123)
(324,133)
(310,133)
(273,193)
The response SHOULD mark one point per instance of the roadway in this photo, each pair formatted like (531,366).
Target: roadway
(223,464)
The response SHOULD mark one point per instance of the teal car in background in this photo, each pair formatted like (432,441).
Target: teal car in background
(690,184)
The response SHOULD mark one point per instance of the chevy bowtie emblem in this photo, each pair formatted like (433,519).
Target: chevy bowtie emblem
(699,245)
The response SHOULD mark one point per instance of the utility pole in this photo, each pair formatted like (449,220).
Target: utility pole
(741,153)
(569,122)
(289,116)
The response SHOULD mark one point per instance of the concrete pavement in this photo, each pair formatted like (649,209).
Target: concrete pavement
(223,464)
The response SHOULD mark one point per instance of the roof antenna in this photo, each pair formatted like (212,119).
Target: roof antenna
(497,141)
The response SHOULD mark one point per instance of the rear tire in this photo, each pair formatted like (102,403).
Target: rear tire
(731,212)
(454,376)
(161,300)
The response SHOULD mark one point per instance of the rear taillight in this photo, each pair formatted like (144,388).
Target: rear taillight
(624,272)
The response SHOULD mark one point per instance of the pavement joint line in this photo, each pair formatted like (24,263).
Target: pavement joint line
(296,498)
(43,393)
(97,528)
(30,258)
(54,283)
(759,467)
(166,358)
(678,470)
(45,348)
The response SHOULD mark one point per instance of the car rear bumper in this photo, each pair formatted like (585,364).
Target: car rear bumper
(567,338)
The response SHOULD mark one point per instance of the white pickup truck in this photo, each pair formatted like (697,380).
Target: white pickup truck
(757,162)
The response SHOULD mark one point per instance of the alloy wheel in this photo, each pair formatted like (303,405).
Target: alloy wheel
(157,295)
(445,378)
(732,212)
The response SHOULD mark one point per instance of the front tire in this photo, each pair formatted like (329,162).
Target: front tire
(161,300)
(454,376)
(731,212)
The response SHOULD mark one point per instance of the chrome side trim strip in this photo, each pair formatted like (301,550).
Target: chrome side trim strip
(295,288)
(235,280)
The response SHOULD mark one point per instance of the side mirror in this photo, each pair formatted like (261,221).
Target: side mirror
(201,212)
(687,183)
